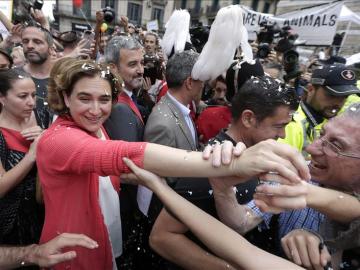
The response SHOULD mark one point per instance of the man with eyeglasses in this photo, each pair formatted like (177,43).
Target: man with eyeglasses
(332,89)
(334,193)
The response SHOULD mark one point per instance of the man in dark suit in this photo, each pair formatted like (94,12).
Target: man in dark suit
(125,55)
(126,122)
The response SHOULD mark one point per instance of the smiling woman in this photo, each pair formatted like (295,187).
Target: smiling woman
(20,126)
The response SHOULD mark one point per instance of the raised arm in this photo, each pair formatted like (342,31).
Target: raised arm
(7,23)
(11,178)
(168,238)
(75,151)
(238,217)
(338,206)
(263,157)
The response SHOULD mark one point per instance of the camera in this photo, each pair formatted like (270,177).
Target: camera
(38,4)
(22,10)
(265,38)
(152,67)
(109,14)
(290,59)
(291,64)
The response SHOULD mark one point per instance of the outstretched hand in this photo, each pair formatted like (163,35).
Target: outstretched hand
(50,253)
(279,198)
(274,157)
(222,153)
(306,249)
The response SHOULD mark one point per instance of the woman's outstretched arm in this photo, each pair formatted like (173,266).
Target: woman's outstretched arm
(223,241)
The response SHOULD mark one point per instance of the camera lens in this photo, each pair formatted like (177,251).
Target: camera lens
(263,50)
(109,14)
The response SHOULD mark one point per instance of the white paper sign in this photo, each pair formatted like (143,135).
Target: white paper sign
(152,25)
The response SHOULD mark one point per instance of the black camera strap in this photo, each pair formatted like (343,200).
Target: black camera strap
(310,118)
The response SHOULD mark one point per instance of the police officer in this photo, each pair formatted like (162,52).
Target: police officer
(331,90)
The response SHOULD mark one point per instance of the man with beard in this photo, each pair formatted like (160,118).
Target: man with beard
(125,55)
(126,122)
(326,94)
(151,42)
(37,45)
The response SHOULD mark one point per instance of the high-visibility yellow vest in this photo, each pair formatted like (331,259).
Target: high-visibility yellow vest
(298,132)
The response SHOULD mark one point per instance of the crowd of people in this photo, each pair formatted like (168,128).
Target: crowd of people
(128,151)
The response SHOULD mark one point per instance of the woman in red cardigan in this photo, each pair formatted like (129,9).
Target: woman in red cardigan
(77,162)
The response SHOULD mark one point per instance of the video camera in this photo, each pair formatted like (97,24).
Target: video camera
(152,67)
(22,10)
(265,38)
(109,14)
(290,59)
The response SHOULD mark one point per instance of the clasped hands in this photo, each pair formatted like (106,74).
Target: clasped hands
(268,160)
(272,162)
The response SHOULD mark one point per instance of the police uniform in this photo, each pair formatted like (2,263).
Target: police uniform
(338,80)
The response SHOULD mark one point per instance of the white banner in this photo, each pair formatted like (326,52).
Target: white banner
(317,26)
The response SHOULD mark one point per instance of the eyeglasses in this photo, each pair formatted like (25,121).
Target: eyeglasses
(332,150)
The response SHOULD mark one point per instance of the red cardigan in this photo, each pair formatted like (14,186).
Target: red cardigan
(69,162)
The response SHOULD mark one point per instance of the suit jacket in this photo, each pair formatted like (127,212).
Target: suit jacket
(124,124)
(167,126)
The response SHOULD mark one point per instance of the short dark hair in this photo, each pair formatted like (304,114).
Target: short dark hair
(179,67)
(220,79)
(263,95)
(47,35)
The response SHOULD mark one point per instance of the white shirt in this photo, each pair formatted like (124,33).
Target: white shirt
(110,209)
(185,111)
(129,93)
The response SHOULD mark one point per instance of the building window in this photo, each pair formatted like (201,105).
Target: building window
(134,13)
(197,6)
(112,4)
(236,2)
(254,4)
(266,7)
(158,14)
(85,9)
(215,3)
(108,3)
(183,4)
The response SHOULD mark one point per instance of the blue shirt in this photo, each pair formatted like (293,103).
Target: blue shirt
(306,218)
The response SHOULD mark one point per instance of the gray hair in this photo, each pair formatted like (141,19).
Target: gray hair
(179,68)
(112,49)
(353,111)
